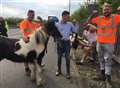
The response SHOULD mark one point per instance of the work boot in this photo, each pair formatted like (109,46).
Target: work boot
(58,73)
(108,78)
(103,75)
(68,76)
(108,81)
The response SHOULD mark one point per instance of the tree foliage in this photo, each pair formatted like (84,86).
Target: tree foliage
(82,13)
(13,22)
(114,4)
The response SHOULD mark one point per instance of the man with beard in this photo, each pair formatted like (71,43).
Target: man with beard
(106,39)
(27,26)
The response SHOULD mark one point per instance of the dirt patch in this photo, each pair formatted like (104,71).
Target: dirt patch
(90,70)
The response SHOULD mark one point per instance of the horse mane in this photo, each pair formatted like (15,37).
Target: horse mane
(52,29)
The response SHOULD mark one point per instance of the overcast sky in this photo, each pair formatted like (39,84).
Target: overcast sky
(43,8)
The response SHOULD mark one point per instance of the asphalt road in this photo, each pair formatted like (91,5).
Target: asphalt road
(12,75)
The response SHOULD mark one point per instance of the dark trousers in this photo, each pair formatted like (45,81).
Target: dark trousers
(63,48)
(94,53)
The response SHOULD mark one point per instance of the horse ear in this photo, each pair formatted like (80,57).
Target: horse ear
(37,37)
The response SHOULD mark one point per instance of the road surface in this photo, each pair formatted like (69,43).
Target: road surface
(12,75)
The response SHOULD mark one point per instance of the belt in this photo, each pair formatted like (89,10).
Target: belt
(65,40)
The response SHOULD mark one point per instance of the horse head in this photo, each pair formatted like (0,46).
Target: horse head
(52,29)
(36,41)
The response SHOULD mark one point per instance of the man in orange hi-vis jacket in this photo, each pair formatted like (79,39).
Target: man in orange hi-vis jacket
(106,38)
(27,26)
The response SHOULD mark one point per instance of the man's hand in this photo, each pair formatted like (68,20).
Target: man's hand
(94,12)
(26,40)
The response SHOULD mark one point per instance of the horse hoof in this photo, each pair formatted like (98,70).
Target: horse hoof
(33,79)
(79,63)
(27,72)
(39,83)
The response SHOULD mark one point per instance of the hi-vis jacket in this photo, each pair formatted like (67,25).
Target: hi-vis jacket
(27,27)
(107,28)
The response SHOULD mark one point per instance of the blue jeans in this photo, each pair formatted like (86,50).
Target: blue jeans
(63,48)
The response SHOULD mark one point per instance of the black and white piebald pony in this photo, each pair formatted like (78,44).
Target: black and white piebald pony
(7,49)
(77,41)
(32,52)
(74,45)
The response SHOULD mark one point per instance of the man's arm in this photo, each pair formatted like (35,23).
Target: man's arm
(24,30)
(91,19)
(94,14)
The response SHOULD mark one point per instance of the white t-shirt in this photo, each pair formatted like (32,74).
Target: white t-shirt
(91,37)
